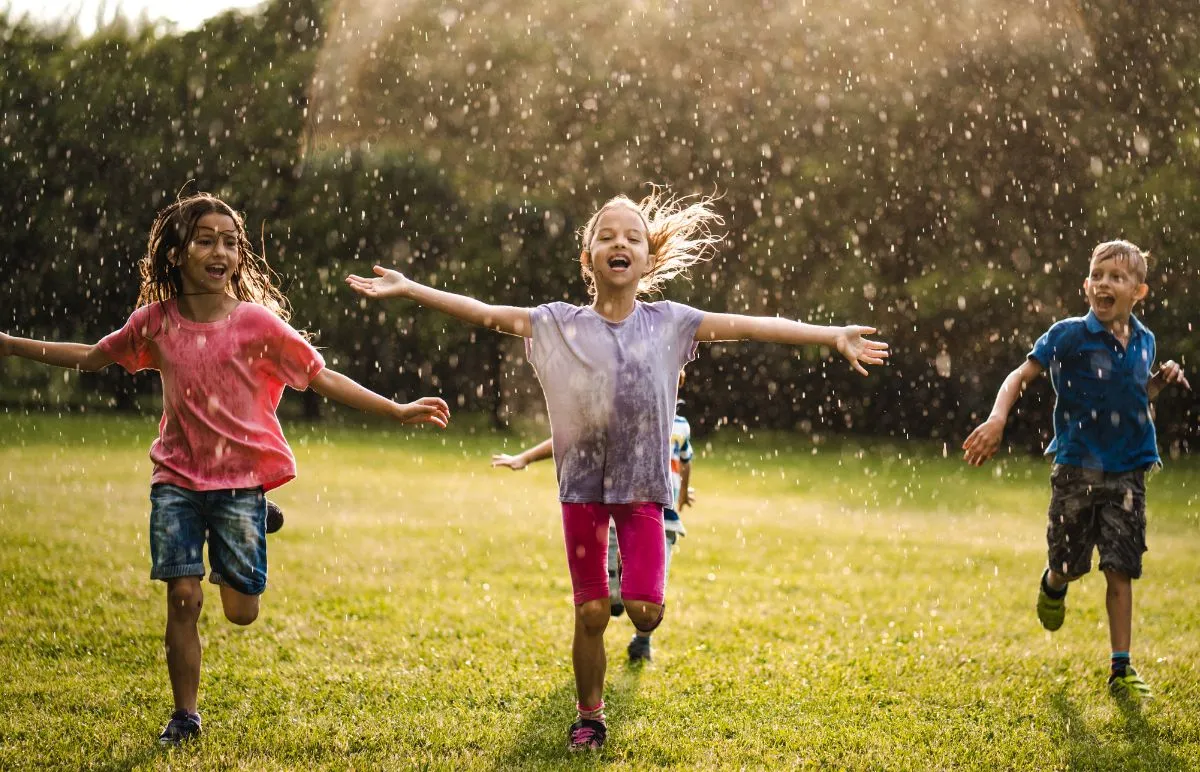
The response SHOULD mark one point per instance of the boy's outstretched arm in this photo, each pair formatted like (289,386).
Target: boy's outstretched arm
(985,439)
(338,387)
(848,341)
(1169,373)
(393,284)
(77,356)
(543,450)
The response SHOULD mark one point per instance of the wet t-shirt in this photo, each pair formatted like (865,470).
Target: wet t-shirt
(610,390)
(222,382)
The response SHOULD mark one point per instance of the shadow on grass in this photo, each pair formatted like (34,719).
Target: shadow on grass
(541,740)
(1140,750)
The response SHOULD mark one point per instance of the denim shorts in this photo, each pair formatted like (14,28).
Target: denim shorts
(233,522)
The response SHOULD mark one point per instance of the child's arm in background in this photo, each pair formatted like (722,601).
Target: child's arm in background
(544,449)
(78,356)
(1169,373)
(983,442)
(393,284)
(338,387)
(848,341)
(685,493)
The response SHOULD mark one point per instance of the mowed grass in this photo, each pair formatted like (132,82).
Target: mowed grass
(855,606)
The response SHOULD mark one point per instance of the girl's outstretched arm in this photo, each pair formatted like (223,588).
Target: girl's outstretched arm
(78,356)
(393,284)
(848,341)
(336,386)
(543,450)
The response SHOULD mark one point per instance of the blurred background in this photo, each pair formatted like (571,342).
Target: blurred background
(940,170)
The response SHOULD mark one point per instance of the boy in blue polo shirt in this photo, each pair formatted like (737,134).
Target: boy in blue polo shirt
(1101,368)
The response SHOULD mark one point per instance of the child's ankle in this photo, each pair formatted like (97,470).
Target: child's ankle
(592,714)
(1056,593)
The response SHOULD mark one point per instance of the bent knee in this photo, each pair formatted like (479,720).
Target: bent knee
(241,616)
(594,615)
(184,596)
(645,616)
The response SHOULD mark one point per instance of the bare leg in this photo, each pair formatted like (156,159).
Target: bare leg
(184,600)
(1119,602)
(241,609)
(587,651)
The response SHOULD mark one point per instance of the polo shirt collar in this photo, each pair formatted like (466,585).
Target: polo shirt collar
(1095,326)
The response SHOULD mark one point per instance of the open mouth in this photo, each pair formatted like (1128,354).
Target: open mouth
(217,271)
(1104,302)
(619,263)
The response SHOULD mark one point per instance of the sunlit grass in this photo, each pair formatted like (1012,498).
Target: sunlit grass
(865,606)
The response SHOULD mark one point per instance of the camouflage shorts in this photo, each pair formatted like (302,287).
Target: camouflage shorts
(1094,509)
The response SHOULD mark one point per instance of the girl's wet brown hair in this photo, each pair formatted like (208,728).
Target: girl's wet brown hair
(174,229)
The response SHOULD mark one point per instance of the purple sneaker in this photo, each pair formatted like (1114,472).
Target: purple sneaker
(587,735)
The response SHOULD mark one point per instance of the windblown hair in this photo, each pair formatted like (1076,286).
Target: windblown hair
(173,231)
(678,232)
(1139,261)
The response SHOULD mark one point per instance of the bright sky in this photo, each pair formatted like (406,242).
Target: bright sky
(185,15)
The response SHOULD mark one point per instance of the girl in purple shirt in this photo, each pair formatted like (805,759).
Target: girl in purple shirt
(609,373)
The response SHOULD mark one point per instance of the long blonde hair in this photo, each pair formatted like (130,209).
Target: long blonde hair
(678,233)
(171,233)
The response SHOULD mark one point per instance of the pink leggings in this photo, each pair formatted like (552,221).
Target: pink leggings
(640,537)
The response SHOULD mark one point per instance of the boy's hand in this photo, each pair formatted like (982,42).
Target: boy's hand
(687,497)
(858,350)
(512,462)
(389,284)
(1170,372)
(983,442)
(426,410)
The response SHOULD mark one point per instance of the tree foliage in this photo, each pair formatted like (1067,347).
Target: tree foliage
(940,171)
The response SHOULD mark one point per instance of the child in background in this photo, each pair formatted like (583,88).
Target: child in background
(1104,442)
(609,372)
(681,471)
(213,324)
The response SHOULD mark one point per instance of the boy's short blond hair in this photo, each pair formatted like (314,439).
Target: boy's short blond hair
(1120,249)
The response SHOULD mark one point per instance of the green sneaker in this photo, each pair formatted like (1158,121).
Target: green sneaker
(1129,685)
(1050,611)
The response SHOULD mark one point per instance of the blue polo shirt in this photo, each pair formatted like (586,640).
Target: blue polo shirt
(1102,413)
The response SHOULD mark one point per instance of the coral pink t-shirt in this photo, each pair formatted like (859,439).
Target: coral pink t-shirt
(221,385)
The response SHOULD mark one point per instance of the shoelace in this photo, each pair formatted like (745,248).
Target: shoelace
(584,735)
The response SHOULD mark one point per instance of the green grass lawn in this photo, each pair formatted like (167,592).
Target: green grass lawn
(849,606)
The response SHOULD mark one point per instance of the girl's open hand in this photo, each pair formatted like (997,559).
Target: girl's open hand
(1170,372)
(426,410)
(387,284)
(858,350)
(512,462)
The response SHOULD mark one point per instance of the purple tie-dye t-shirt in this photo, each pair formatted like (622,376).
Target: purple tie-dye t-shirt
(610,390)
